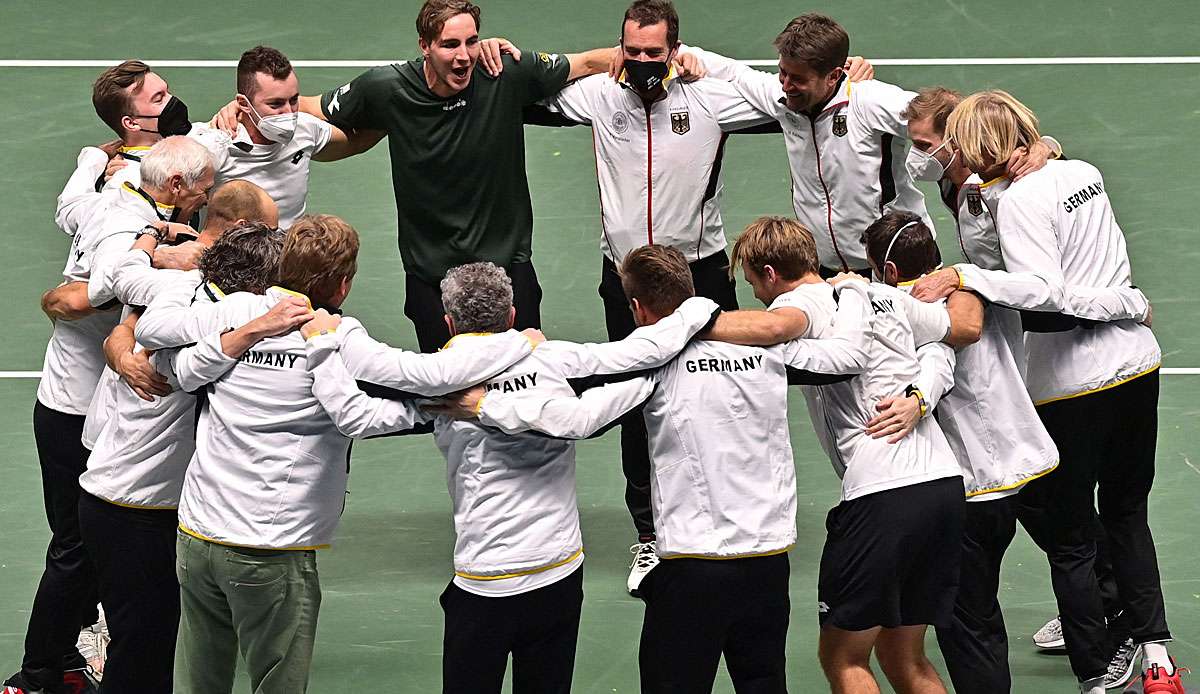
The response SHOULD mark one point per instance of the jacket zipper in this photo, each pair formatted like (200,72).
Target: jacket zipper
(812,122)
(649,179)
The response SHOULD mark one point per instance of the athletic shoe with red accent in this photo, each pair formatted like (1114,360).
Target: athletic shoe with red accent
(1155,681)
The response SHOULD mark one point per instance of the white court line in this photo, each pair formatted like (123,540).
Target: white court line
(1166,371)
(1086,60)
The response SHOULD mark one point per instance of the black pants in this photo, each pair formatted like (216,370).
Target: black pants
(699,609)
(423,305)
(66,595)
(539,629)
(975,643)
(1106,444)
(133,551)
(711,279)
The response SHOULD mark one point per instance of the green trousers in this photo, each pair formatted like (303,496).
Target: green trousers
(263,603)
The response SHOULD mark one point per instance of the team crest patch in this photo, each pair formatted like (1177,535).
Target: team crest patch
(974,202)
(679,123)
(620,122)
(839,125)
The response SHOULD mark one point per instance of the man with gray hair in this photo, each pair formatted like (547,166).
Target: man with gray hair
(517,588)
(176,173)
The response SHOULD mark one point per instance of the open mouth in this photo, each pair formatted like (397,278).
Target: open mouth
(461,72)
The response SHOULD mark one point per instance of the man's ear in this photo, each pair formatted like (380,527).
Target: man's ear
(512,316)
(424,45)
(449,323)
(891,274)
(769,274)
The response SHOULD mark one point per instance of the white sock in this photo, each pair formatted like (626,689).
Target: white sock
(1156,654)
(1092,686)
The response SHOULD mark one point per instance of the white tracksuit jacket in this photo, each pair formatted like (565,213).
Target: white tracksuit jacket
(141,449)
(723,480)
(270,468)
(659,168)
(847,163)
(75,355)
(1064,253)
(515,509)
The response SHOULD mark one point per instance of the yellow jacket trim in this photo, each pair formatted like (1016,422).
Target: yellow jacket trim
(527,572)
(991,182)
(1014,485)
(285,290)
(132,148)
(458,335)
(1152,369)
(772,553)
(133,190)
(183,528)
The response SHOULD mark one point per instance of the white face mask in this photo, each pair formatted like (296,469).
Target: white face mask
(923,166)
(279,128)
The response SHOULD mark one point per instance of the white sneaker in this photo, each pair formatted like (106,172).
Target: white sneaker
(1050,635)
(92,644)
(1123,665)
(644,559)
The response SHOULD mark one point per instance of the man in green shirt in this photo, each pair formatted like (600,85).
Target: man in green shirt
(458,154)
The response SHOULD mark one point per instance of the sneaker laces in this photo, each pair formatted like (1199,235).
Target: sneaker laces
(643,555)
(1119,663)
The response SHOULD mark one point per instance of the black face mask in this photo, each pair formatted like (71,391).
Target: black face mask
(644,76)
(173,120)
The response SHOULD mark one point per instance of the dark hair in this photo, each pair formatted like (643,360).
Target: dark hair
(435,13)
(244,259)
(111,93)
(649,12)
(658,277)
(815,40)
(262,59)
(914,252)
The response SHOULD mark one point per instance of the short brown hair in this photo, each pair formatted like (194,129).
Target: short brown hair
(650,12)
(914,252)
(111,93)
(782,243)
(435,13)
(658,277)
(933,102)
(262,59)
(319,252)
(815,40)
(236,200)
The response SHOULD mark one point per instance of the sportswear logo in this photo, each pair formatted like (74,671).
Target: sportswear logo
(823,607)
(679,123)
(297,157)
(334,104)
(974,202)
(455,104)
(620,122)
(839,125)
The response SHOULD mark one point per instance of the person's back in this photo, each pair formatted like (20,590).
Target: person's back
(723,482)
(843,409)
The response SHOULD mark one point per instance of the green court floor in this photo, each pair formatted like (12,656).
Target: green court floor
(380,626)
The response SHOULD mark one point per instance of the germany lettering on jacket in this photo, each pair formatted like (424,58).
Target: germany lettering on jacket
(1076,201)
(718,365)
(271,359)
(882,305)
(511,385)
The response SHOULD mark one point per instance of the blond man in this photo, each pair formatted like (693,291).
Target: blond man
(1094,382)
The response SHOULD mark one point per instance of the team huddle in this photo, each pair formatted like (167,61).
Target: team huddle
(201,387)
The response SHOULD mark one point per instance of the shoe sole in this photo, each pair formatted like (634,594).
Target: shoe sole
(1051,645)
(1136,688)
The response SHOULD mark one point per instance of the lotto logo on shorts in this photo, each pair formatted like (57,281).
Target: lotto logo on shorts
(823,607)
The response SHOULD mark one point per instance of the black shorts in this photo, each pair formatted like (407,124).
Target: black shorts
(891,558)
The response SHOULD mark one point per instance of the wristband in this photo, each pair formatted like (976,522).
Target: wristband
(912,390)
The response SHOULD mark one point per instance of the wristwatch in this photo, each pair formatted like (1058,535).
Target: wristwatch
(912,390)
(152,230)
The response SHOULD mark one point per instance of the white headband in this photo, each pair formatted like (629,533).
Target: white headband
(889,248)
